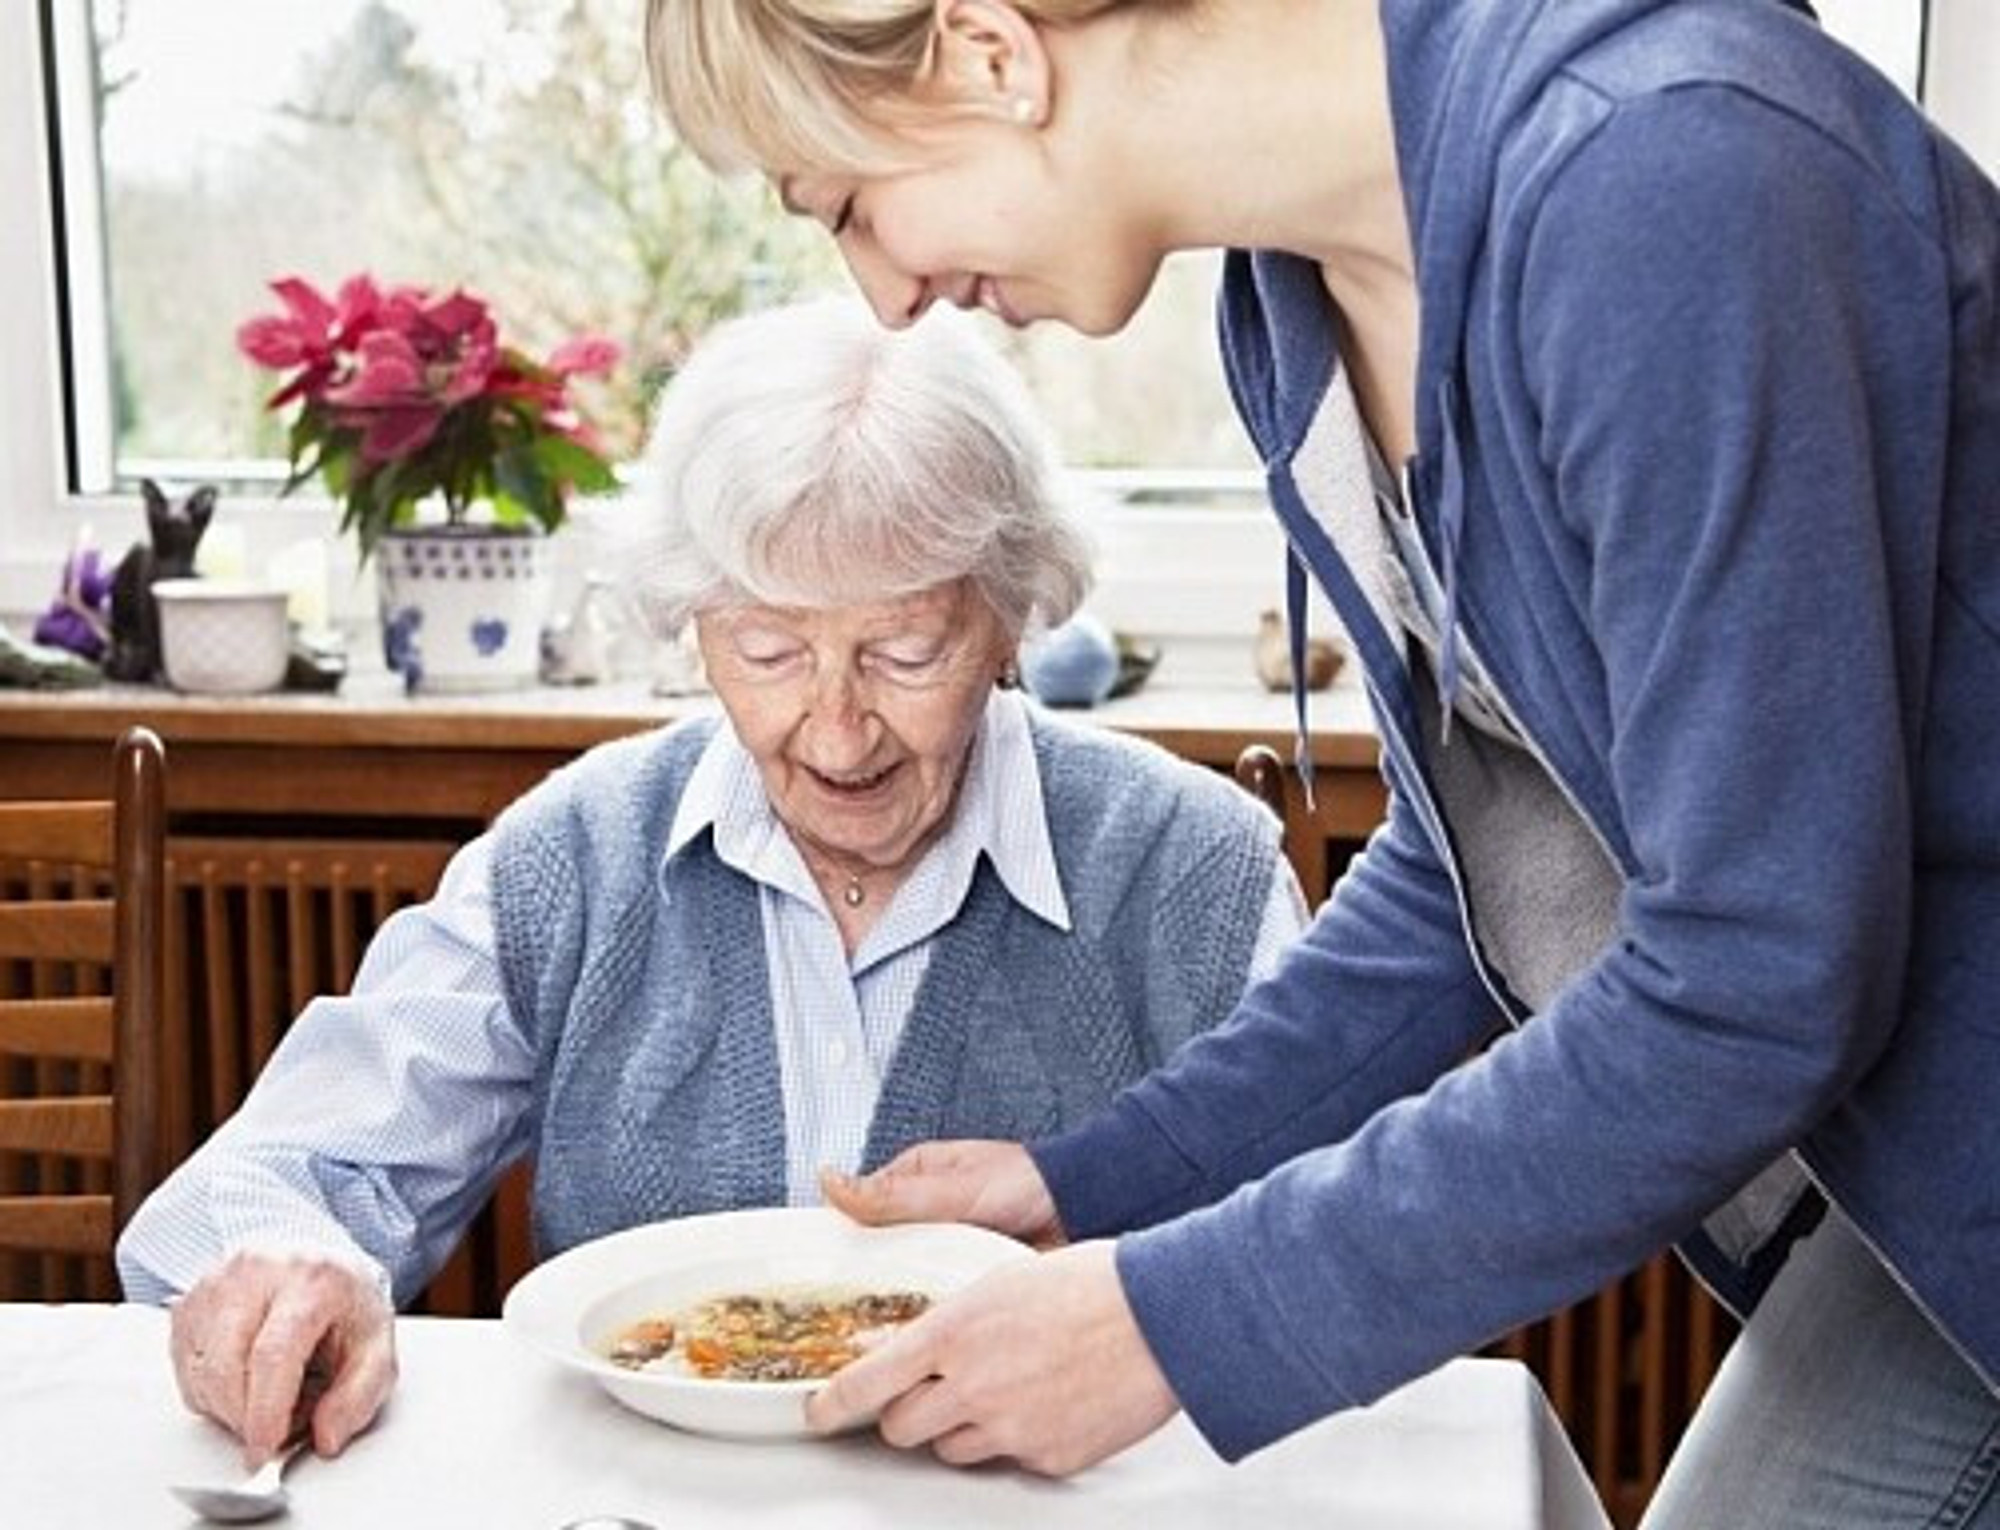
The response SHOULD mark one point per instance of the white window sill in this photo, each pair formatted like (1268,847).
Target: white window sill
(1165,570)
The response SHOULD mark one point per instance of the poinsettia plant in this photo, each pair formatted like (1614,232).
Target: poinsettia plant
(406,396)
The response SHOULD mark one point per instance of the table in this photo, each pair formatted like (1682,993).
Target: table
(481,1433)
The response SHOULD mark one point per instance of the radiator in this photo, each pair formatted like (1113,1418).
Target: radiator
(1624,1371)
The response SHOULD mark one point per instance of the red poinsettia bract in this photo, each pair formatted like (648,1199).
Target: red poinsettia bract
(404,395)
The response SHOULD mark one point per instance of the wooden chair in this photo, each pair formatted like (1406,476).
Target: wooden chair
(1261,773)
(61,1045)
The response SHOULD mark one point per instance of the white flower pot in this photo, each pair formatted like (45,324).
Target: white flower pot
(463,607)
(222,637)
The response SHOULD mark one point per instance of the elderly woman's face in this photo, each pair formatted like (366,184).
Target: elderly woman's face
(859,717)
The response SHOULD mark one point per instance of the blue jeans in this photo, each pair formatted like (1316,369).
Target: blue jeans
(1838,1407)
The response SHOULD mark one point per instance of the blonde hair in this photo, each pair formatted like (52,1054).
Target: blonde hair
(796,85)
(807,457)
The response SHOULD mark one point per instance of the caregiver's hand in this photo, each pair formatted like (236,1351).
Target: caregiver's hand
(992,1184)
(268,1343)
(1041,1362)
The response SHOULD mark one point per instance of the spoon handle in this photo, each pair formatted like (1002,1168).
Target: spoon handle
(272,1472)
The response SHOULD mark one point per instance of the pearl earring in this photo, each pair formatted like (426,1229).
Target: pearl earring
(1024,110)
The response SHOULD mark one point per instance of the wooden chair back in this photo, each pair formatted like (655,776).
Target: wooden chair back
(82,1075)
(1261,773)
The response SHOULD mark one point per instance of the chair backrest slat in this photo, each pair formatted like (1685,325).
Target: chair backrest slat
(71,1126)
(58,1224)
(56,1028)
(57,931)
(70,833)
(139,997)
(1261,773)
(83,887)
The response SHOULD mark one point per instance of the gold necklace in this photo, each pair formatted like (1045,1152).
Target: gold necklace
(854,894)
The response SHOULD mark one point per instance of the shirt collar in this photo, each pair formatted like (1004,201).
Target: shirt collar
(999,813)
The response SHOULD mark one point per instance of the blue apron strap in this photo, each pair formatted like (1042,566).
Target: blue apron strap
(1451,535)
(1295,620)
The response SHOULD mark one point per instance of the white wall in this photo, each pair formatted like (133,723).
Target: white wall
(1964,83)
(1885,31)
(1962,62)
(30,436)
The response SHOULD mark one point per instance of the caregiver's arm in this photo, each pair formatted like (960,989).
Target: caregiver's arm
(1736,401)
(1372,1002)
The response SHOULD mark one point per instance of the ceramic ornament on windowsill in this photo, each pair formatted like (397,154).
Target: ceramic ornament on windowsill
(1073,665)
(452,456)
(1273,656)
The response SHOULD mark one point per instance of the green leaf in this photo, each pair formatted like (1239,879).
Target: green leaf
(300,473)
(570,462)
(519,478)
(336,468)
(306,432)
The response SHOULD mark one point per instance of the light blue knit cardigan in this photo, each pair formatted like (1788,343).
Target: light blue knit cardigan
(643,985)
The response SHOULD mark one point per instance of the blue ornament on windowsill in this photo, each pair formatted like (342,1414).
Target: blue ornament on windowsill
(1074,665)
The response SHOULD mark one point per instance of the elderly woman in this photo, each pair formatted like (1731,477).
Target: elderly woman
(879,899)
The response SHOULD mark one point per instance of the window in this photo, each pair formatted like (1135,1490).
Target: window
(201,147)
(508,146)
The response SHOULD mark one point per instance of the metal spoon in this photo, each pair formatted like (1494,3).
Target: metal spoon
(259,1496)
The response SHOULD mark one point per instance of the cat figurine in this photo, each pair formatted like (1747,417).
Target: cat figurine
(173,532)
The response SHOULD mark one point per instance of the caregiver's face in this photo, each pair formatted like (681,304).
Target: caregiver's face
(1009,191)
(985,219)
(860,718)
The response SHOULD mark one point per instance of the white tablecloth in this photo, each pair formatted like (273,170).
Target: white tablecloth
(484,1435)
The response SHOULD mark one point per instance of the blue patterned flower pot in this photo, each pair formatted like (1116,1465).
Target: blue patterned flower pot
(463,607)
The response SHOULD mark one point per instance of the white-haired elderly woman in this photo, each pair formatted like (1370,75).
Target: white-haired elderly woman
(879,900)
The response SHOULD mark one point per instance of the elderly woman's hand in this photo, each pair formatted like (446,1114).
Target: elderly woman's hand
(991,1184)
(268,1344)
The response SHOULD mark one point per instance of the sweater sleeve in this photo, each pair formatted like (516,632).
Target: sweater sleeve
(1729,330)
(1376,999)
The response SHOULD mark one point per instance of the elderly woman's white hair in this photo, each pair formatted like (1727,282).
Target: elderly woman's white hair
(808,457)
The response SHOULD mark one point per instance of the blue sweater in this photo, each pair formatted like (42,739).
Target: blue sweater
(641,982)
(1709,466)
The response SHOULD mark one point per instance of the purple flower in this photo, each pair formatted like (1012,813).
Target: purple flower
(78,620)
